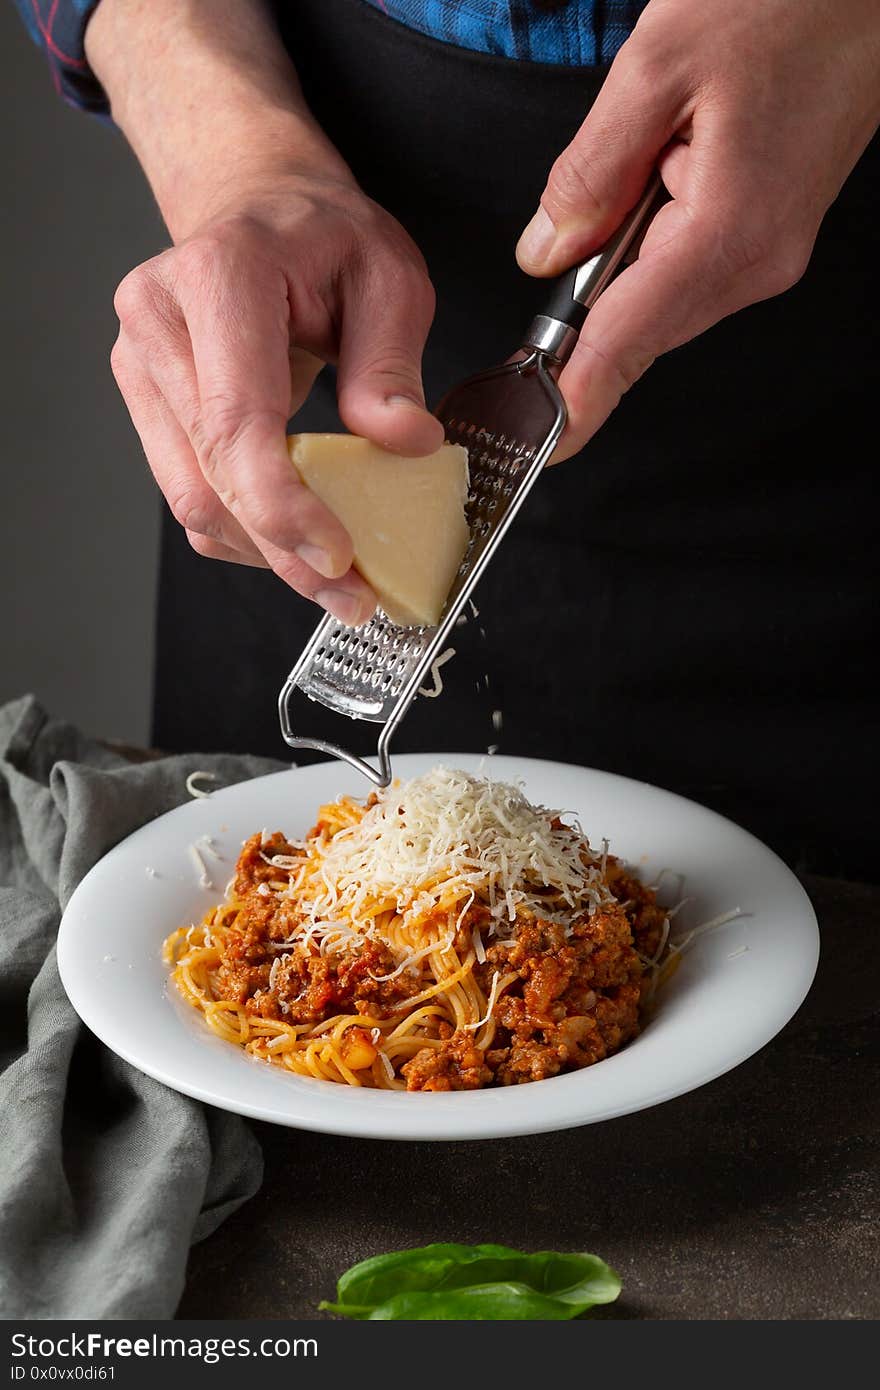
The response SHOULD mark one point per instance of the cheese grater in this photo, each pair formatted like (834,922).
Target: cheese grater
(509,419)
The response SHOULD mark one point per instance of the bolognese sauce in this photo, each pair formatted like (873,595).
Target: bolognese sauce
(463,974)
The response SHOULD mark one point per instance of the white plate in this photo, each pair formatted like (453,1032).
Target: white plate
(734,990)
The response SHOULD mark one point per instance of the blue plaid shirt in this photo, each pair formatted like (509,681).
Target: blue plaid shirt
(574,32)
(579,33)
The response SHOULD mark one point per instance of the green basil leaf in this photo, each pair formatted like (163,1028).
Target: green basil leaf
(484,1303)
(473,1282)
(373,1281)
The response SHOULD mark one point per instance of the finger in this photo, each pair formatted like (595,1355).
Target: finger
(379,383)
(305,368)
(690,273)
(162,340)
(239,335)
(349,598)
(601,175)
(173,464)
(215,550)
(211,530)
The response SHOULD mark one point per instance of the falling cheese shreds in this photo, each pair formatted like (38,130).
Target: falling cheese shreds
(435,674)
(195,777)
(497,720)
(740,951)
(493,749)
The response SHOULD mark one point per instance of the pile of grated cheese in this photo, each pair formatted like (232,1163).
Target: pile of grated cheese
(454,836)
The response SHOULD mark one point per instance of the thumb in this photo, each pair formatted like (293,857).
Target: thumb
(601,175)
(379,380)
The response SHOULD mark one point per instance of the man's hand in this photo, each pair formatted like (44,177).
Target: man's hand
(207,364)
(281,264)
(755,112)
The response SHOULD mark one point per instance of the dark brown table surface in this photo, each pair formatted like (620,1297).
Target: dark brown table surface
(757,1196)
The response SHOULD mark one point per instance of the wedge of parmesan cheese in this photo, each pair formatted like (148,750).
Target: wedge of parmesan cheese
(405,516)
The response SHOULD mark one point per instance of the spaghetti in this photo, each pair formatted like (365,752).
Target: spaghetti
(444,935)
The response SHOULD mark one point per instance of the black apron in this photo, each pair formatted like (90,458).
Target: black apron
(689,601)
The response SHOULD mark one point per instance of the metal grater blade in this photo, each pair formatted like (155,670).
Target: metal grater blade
(509,420)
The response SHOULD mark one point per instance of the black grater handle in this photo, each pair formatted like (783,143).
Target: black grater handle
(576,291)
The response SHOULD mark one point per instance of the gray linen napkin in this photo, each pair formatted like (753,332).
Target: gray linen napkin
(106,1176)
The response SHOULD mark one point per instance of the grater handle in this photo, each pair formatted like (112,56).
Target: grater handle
(380,775)
(576,291)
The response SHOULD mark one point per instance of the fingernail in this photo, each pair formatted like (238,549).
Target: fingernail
(537,240)
(409,401)
(348,608)
(317,558)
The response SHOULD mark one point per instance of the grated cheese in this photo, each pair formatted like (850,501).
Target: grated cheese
(664,937)
(435,675)
(720,921)
(448,831)
(413,958)
(199,865)
(492,1001)
(674,911)
(461,915)
(195,777)
(206,845)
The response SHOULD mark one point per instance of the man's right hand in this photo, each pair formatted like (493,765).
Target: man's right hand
(281,264)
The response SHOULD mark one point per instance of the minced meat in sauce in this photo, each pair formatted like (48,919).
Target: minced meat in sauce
(576,997)
(306,987)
